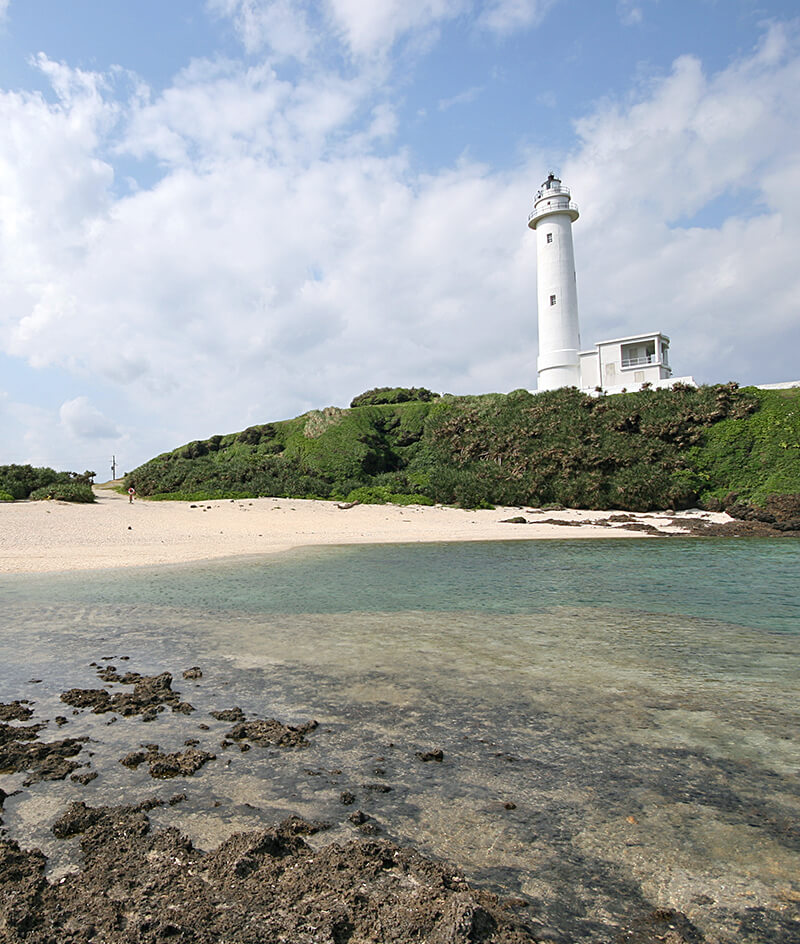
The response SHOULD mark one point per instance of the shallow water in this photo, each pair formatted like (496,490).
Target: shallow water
(634,704)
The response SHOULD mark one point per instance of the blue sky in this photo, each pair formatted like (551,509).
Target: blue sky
(220,213)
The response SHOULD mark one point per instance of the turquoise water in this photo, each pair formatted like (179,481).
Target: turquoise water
(752,582)
(618,718)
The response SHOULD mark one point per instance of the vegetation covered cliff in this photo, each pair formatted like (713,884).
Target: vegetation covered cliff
(636,451)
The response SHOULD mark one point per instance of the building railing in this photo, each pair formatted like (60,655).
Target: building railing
(639,361)
(558,208)
(545,192)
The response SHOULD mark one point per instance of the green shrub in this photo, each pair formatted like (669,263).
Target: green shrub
(20,480)
(382,395)
(757,455)
(201,495)
(6,496)
(64,491)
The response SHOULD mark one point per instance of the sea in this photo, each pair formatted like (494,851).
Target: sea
(618,720)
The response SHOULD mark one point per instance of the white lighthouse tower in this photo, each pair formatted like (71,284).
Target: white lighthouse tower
(559,336)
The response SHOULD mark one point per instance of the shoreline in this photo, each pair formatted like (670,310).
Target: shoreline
(52,537)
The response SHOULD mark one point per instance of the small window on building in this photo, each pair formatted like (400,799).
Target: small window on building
(552,299)
(549,237)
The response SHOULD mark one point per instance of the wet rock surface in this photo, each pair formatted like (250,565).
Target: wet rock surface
(435,753)
(151,694)
(779,516)
(272,732)
(140,884)
(21,751)
(163,765)
(229,714)
(140,880)
(15,711)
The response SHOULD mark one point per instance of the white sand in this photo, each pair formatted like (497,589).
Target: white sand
(57,536)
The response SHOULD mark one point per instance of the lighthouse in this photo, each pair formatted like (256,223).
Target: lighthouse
(557,295)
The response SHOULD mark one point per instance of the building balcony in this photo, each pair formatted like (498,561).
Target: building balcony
(547,208)
(639,361)
(552,191)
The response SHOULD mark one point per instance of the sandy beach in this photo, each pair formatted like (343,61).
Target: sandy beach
(40,537)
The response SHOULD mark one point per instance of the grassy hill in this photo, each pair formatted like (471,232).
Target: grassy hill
(636,451)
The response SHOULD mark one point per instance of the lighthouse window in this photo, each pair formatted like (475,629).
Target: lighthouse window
(552,299)
(549,237)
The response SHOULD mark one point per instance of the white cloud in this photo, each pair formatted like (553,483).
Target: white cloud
(506,16)
(723,291)
(371,28)
(40,436)
(281,26)
(463,98)
(82,420)
(629,12)
(4,5)
(220,111)
(281,263)
(367,30)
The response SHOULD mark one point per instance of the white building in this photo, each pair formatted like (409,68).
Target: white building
(612,366)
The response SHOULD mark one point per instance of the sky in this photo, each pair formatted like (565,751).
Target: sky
(216,213)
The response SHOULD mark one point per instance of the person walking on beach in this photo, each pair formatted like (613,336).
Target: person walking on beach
(131,493)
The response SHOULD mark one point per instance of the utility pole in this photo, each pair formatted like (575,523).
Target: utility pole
(113,467)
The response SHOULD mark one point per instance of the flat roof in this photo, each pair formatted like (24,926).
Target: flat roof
(635,337)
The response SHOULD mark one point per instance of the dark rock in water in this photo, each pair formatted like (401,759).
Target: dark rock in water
(164,766)
(60,720)
(273,732)
(793,524)
(377,787)
(194,673)
(98,699)
(662,927)
(145,885)
(436,754)
(150,694)
(182,764)
(183,707)
(358,817)
(133,760)
(44,761)
(346,798)
(84,778)
(229,714)
(15,711)
(13,732)
(78,818)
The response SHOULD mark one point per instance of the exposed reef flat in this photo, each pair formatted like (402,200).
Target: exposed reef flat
(133,878)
